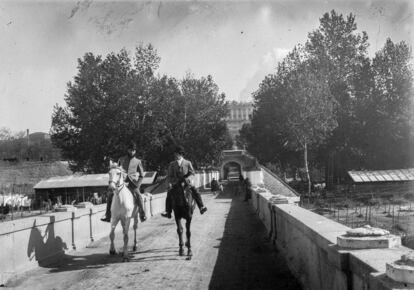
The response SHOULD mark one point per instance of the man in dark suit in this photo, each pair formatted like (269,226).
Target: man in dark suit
(135,174)
(181,170)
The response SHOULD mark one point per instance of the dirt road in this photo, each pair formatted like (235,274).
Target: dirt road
(229,247)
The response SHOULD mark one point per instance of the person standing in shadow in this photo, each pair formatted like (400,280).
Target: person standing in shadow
(247,189)
(240,186)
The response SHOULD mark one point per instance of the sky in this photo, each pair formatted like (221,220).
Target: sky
(238,43)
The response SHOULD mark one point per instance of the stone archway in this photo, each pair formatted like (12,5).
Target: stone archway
(231,170)
(239,162)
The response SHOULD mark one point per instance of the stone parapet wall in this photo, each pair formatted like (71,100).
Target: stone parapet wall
(41,240)
(308,242)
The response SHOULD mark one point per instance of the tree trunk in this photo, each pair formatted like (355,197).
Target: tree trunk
(307,168)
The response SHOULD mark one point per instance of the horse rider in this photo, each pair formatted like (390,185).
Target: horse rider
(179,171)
(135,174)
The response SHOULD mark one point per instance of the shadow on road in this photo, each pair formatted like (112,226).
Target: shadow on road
(96,261)
(151,255)
(49,252)
(100,260)
(245,259)
(45,249)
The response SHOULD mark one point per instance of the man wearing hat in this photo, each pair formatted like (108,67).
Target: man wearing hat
(135,174)
(178,171)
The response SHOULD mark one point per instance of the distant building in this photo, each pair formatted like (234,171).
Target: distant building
(38,138)
(239,115)
(29,147)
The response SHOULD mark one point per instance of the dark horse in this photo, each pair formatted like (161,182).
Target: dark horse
(183,206)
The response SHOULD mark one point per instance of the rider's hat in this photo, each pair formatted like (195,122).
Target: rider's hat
(179,150)
(132,145)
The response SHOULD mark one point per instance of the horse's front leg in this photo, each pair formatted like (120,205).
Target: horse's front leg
(180,236)
(125,227)
(112,237)
(188,242)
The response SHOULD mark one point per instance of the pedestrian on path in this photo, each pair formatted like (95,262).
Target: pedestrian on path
(247,189)
(240,187)
(214,186)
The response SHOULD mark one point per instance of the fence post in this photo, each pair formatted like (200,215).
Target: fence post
(73,230)
(275,225)
(151,213)
(346,218)
(338,215)
(271,220)
(90,224)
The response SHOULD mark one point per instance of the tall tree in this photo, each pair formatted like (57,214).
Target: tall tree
(388,108)
(266,135)
(203,110)
(310,114)
(104,108)
(5,134)
(338,49)
(117,99)
(371,101)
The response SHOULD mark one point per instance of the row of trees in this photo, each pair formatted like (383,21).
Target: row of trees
(330,105)
(119,98)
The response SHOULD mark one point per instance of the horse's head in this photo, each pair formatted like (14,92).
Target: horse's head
(116,176)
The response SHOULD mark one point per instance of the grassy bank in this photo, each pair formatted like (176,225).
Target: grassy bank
(29,173)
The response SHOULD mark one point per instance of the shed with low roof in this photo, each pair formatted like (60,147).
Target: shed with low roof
(395,182)
(78,188)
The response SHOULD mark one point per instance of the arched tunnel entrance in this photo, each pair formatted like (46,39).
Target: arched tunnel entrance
(231,171)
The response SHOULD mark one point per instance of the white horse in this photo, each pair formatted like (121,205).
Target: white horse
(123,208)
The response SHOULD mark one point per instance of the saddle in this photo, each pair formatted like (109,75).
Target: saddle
(131,186)
(181,195)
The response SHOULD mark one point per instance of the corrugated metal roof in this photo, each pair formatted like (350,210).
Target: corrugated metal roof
(382,175)
(87,180)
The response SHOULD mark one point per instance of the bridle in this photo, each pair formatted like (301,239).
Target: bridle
(120,183)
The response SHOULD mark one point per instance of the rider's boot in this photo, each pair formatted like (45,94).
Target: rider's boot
(166,214)
(168,206)
(107,217)
(197,197)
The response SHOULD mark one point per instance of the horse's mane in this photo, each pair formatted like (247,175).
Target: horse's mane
(114,165)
